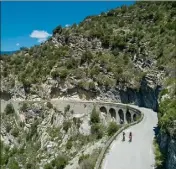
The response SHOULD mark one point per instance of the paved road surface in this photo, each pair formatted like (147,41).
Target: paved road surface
(139,153)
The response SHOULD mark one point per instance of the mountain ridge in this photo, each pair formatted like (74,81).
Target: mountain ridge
(123,55)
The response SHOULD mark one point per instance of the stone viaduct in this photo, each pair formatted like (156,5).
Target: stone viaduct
(121,113)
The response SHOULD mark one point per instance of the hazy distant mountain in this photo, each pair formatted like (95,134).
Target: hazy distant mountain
(7,52)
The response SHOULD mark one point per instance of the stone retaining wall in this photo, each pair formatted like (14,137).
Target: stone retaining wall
(81,108)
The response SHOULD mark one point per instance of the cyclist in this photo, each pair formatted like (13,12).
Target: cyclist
(123,136)
(130,136)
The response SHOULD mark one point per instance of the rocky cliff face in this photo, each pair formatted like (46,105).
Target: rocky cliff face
(145,96)
(168,148)
(167,124)
(42,132)
(171,158)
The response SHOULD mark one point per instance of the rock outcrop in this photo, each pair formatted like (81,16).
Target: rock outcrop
(145,96)
(168,148)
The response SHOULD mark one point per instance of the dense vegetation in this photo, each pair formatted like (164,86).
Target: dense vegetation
(159,157)
(144,32)
(166,119)
(145,29)
(167,114)
(167,108)
(27,150)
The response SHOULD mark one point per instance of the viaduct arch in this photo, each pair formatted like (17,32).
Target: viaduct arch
(121,113)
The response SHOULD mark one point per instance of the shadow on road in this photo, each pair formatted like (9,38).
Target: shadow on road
(156,130)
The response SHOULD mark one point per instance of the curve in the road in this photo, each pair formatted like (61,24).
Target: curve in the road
(139,153)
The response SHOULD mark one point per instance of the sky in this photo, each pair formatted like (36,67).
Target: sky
(24,24)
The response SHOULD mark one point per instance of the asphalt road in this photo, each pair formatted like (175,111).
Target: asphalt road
(137,154)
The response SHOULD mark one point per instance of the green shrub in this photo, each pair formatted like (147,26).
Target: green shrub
(97,130)
(126,59)
(13,164)
(13,151)
(119,42)
(121,23)
(49,105)
(91,86)
(89,161)
(67,108)
(69,144)
(112,128)
(15,132)
(48,166)
(63,73)
(29,165)
(86,164)
(167,114)
(115,51)
(94,118)
(54,74)
(109,82)
(26,82)
(24,107)
(4,154)
(163,92)
(4,159)
(60,162)
(58,29)
(8,127)
(106,41)
(77,121)
(94,71)
(72,63)
(33,130)
(83,84)
(83,157)
(79,73)
(22,123)
(54,132)
(86,57)
(159,157)
(9,109)
(66,125)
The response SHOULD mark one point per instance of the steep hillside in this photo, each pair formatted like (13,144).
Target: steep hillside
(42,135)
(167,124)
(126,55)
(119,55)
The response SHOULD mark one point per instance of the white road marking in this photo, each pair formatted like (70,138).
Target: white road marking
(105,165)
